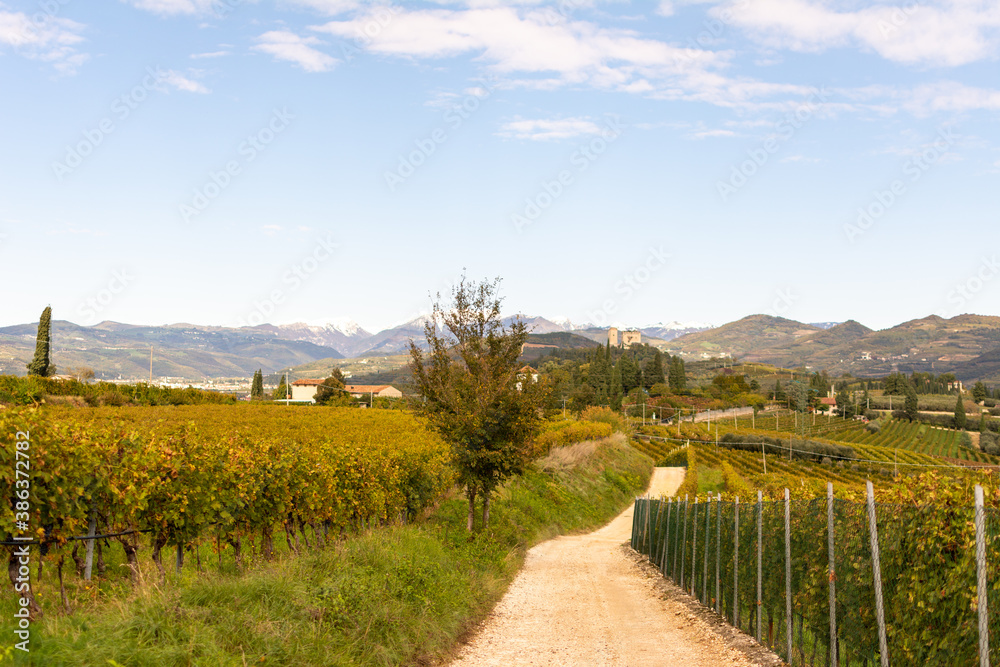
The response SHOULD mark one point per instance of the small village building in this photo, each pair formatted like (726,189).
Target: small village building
(305,390)
(373,390)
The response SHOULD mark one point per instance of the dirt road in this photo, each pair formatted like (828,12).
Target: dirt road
(580,601)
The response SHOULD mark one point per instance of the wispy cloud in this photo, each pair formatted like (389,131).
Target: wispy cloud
(707,134)
(44,37)
(181,82)
(210,54)
(930,32)
(548,129)
(286,45)
(329,7)
(179,7)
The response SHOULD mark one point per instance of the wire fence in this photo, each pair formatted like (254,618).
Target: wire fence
(826,581)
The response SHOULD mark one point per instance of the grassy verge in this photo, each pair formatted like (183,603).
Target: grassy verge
(398,595)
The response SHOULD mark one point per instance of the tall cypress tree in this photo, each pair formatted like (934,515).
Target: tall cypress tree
(257,387)
(41,364)
(911,406)
(960,413)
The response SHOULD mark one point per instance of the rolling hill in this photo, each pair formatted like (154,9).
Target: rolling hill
(967,345)
(742,337)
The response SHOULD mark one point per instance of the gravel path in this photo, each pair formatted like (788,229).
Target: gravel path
(581,601)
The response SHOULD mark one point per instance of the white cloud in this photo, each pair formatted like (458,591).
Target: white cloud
(186,7)
(44,37)
(180,82)
(547,130)
(932,32)
(949,96)
(329,7)
(271,230)
(706,134)
(549,49)
(210,54)
(286,45)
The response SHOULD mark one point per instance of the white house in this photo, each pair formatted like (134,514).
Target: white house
(305,390)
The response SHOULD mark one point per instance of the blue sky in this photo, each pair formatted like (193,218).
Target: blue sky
(225,162)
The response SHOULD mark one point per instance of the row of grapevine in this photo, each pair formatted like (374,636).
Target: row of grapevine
(187,473)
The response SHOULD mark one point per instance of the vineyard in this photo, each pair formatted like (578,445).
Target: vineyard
(190,475)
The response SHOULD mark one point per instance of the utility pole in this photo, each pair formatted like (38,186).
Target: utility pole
(564,407)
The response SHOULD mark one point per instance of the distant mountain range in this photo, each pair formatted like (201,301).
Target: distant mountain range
(184,351)
(968,345)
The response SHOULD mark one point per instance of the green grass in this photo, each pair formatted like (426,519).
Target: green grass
(710,481)
(390,596)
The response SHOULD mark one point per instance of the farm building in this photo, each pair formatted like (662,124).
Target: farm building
(377,390)
(305,390)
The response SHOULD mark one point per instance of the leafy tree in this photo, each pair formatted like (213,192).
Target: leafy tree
(659,389)
(331,391)
(581,397)
(960,412)
(845,403)
(798,393)
(979,392)
(896,384)
(41,365)
(468,379)
(82,373)
(754,385)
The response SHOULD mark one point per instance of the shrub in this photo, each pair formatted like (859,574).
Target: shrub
(989,442)
(873,427)
(568,433)
(605,416)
